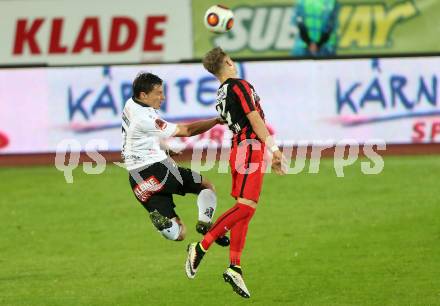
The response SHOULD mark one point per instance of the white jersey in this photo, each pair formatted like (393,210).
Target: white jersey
(142,129)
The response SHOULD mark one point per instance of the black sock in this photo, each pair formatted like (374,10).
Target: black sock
(236,269)
(199,249)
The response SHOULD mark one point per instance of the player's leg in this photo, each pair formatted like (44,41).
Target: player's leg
(239,232)
(224,223)
(197,250)
(184,180)
(148,184)
(164,217)
(248,196)
(207,204)
(193,182)
(247,179)
(233,274)
(246,189)
(238,235)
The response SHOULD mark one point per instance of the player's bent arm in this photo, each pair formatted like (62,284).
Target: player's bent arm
(259,127)
(196,127)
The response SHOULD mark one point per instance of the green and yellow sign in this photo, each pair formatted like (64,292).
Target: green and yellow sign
(265,29)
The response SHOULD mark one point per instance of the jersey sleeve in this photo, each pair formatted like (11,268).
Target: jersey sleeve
(158,127)
(244,95)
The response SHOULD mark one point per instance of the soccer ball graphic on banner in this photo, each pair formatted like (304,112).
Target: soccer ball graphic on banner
(219,19)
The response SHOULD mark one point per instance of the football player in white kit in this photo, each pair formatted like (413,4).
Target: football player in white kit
(154,176)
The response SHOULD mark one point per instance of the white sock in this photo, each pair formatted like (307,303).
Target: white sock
(207,202)
(173,232)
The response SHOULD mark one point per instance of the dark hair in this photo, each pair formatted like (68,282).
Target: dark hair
(213,60)
(145,82)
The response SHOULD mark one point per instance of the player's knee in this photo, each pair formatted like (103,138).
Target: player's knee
(182,233)
(181,237)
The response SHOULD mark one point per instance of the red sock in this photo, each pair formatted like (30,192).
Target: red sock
(226,222)
(238,238)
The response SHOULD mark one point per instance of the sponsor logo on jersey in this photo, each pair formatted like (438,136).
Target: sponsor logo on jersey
(160,124)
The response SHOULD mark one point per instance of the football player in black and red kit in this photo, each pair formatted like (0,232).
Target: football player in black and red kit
(239,106)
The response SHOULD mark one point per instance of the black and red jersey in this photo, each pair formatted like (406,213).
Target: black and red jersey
(235,99)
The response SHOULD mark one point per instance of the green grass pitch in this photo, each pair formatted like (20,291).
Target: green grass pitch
(315,240)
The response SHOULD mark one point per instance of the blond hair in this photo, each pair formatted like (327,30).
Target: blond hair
(213,60)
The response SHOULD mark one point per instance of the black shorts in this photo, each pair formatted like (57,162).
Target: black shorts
(154,185)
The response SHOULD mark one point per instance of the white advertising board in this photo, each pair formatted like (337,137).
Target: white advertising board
(94,32)
(396,100)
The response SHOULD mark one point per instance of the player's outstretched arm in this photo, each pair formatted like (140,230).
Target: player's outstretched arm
(259,127)
(196,127)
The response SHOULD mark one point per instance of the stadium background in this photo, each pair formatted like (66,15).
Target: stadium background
(359,240)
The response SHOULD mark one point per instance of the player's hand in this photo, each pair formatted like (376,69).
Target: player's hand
(277,163)
(220,120)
